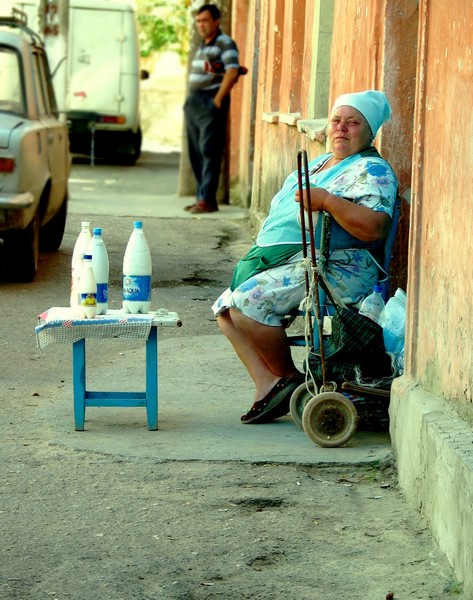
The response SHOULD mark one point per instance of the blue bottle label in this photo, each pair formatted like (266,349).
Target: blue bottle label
(137,288)
(102,293)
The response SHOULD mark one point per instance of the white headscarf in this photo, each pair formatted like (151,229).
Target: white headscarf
(372,104)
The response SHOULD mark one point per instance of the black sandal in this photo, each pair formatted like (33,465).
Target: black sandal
(274,405)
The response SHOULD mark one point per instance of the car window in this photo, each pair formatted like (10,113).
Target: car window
(48,84)
(11,86)
(42,99)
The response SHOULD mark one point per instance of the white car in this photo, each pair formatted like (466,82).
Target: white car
(34,153)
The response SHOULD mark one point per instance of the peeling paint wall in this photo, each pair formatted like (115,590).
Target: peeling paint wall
(287,71)
(301,62)
(245,32)
(377,44)
(440,315)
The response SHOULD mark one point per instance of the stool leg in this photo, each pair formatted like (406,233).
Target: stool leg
(152,379)
(78,379)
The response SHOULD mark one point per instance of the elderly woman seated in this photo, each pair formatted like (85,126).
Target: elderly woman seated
(358,188)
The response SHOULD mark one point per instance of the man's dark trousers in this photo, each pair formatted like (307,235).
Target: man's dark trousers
(206,133)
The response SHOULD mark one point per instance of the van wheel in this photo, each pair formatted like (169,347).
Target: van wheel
(137,141)
(134,147)
(21,252)
(52,233)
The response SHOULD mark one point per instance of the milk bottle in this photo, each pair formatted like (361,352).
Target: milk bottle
(101,268)
(137,269)
(87,308)
(80,247)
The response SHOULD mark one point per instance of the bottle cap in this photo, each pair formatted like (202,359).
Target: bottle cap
(97,231)
(85,224)
(138,224)
(378,288)
(87,256)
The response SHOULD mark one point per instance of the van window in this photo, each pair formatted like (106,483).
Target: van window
(11,86)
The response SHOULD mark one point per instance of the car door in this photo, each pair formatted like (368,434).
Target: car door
(56,136)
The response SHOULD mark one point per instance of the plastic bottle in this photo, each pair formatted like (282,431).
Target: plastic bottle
(373,305)
(101,268)
(137,269)
(80,248)
(87,290)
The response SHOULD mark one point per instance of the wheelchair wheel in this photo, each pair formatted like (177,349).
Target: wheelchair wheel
(330,419)
(300,397)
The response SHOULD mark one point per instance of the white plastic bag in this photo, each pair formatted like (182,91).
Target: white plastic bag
(394,327)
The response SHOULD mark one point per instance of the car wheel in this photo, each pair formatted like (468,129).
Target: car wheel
(21,252)
(52,233)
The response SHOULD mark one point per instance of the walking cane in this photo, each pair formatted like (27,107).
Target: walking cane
(303,170)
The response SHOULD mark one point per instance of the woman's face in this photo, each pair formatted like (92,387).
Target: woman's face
(348,132)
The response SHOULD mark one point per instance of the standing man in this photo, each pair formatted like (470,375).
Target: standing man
(214,71)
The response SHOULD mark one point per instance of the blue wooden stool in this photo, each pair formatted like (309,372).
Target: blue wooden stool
(148,398)
(58,326)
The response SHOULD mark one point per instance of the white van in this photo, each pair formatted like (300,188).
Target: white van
(102,77)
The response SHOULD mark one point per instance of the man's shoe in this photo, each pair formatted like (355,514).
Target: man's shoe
(189,206)
(202,207)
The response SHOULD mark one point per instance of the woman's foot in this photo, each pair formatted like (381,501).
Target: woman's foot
(274,405)
(264,390)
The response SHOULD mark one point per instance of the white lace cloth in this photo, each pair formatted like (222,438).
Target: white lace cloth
(58,325)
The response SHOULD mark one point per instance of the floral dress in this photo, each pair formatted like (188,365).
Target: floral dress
(268,296)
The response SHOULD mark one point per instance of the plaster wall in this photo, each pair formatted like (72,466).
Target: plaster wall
(294,24)
(320,39)
(399,77)
(357,46)
(289,55)
(440,310)
(431,404)
(245,32)
(374,46)
(280,144)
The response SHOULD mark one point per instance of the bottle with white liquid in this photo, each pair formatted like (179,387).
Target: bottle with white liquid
(87,308)
(101,268)
(137,270)
(80,248)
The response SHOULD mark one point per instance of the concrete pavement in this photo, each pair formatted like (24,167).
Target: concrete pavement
(200,403)
(200,400)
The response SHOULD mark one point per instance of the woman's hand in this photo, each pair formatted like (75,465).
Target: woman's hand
(315,199)
(362,222)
